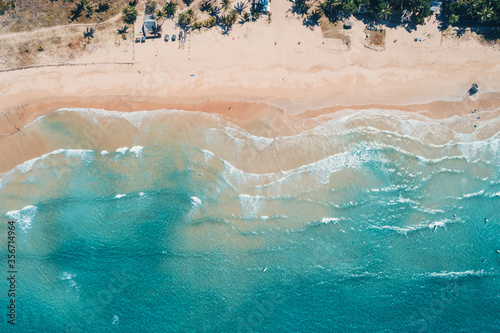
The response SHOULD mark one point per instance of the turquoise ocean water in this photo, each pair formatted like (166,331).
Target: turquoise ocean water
(373,221)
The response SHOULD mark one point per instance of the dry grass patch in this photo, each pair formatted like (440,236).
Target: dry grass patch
(334,31)
(375,39)
(31,15)
(61,46)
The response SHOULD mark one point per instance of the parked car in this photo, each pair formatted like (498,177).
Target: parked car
(173,38)
(166,38)
(137,39)
(143,39)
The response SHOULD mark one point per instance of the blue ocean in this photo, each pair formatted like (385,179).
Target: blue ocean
(173,221)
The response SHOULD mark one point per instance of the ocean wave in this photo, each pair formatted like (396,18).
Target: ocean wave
(23,217)
(475,194)
(122,150)
(454,275)
(138,119)
(195,202)
(251,205)
(85,155)
(208,155)
(425,225)
(333,220)
(137,150)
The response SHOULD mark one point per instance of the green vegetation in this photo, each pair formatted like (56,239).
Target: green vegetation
(205,6)
(226,4)
(6,5)
(185,19)
(129,14)
(150,7)
(384,9)
(188,2)
(170,8)
(419,9)
(229,19)
(160,15)
(482,11)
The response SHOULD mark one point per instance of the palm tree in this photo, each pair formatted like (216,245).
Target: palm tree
(129,14)
(226,4)
(170,8)
(329,9)
(240,7)
(206,5)
(301,7)
(215,11)
(89,33)
(386,11)
(160,15)
(229,19)
(486,13)
(315,15)
(89,10)
(123,30)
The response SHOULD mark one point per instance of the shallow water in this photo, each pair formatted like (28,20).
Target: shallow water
(181,221)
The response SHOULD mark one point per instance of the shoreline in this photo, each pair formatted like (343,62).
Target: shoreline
(24,99)
(258,119)
(237,109)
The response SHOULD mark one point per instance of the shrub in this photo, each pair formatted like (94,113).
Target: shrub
(129,14)
(150,7)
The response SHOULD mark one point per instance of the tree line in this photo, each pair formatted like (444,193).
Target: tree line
(481,11)
(334,10)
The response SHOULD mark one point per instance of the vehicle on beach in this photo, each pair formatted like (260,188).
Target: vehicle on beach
(166,38)
(143,39)
(173,38)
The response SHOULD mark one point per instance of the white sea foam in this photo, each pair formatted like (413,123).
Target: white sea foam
(142,194)
(436,224)
(250,205)
(23,217)
(104,152)
(430,210)
(476,194)
(420,226)
(405,200)
(458,274)
(264,217)
(85,155)
(28,165)
(122,150)
(137,150)
(70,277)
(208,155)
(118,196)
(195,201)
(66,276)
(333,220)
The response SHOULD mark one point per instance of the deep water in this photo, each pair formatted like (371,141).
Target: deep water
(373,221)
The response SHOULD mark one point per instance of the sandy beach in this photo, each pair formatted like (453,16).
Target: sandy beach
(261,75)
